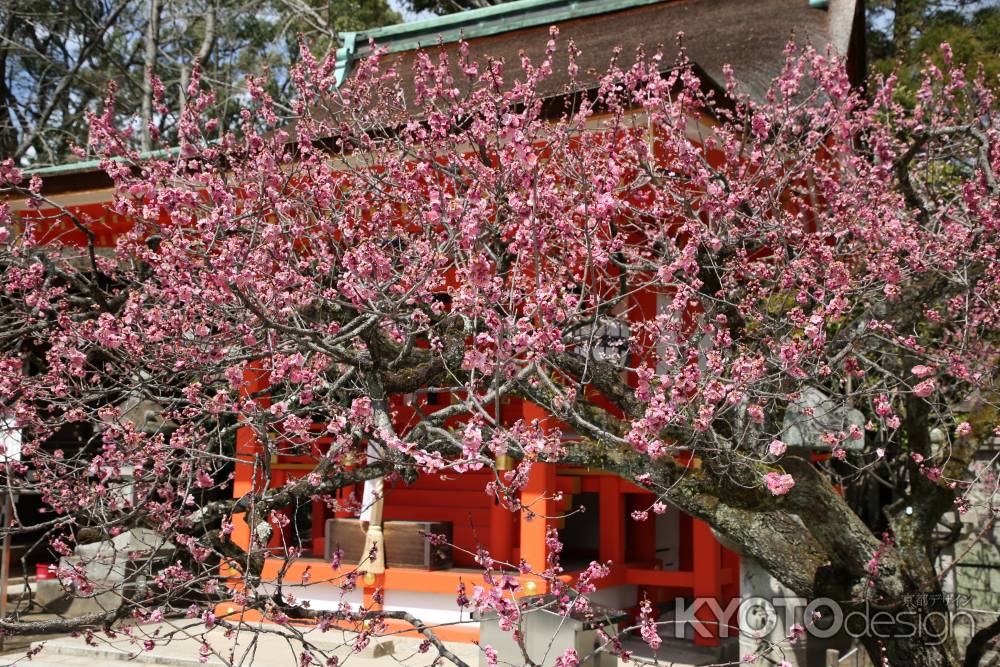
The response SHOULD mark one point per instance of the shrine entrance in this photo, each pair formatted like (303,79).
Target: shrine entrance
(668,556)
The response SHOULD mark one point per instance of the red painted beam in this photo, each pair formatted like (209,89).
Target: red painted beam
(411,497)
(666,578)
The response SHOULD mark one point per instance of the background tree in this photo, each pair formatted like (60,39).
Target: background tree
(817,242)
(903,33)
(57,60)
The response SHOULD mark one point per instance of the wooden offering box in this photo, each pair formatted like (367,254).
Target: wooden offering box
(405,543)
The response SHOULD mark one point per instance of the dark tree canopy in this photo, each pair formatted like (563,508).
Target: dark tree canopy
(57,59)
(906,32)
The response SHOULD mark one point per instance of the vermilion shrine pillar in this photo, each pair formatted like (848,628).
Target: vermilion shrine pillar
(255,381)
(537,508)
(707,556)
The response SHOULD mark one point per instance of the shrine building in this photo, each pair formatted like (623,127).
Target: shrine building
(668,556)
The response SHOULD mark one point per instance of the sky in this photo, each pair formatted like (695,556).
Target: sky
(407,14)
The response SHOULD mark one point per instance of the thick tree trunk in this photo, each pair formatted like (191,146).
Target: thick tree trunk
(149,61)
(980,644)
(811,540)
(207,41)
(906,651)
(813,543)
(907,15)
(8,131)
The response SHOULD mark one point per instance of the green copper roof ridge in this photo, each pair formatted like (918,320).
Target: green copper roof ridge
(483,22)
(65,167)
(92,165)
(469,15)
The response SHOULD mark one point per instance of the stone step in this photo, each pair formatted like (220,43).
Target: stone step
(270,650)
(59,650)
(50,661)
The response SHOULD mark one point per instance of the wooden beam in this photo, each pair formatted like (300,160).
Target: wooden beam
(667,578)
(403,496)
(479,516)
(233,612)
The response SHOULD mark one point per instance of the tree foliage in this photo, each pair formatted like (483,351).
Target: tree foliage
(903,33)
(57,59)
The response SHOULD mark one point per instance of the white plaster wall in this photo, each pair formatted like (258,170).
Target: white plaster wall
(667,537)
(428,607)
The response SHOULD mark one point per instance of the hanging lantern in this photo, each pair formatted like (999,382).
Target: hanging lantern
(605,340)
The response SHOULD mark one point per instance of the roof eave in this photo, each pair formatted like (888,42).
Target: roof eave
(471,24)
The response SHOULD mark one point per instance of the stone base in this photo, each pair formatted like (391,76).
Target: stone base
(50,595)
(378,649)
